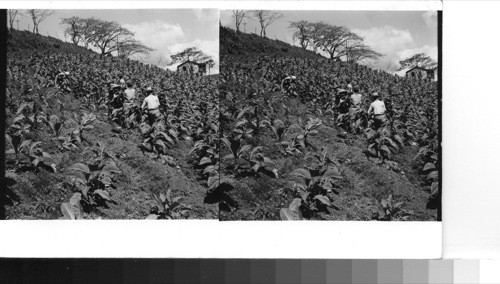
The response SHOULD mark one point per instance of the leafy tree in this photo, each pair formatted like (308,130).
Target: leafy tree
(239,16)
(419,59)
(266,18)
(191,54)
(38,16)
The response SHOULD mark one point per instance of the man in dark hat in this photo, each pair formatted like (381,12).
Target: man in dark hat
(153,106)
(377,107)
(113,97)
(342,100)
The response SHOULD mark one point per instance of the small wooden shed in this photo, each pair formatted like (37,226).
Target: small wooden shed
(191,67)
(422,73)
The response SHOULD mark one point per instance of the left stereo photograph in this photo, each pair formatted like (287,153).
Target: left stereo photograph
(111,114)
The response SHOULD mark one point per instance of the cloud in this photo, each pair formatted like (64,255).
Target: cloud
(226,18)
(168,39)
(158,35)
(431,51)
(389,41)
(430,18)
(207,15)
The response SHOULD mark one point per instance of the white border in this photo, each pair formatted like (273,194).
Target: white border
(471,134)
(213,239)
(223,5)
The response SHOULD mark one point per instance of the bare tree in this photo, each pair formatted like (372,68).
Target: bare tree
(190,54)
(108,36)
(239,16)
(74,28)
(130,47)
(13,14)
(87,28)
(315,30)
(419,59)
(335,40)
(38,16)
(361,52)
(266,18)
(302,32)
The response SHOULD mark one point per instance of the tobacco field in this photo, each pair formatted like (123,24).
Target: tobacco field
(69,155)
(299,155)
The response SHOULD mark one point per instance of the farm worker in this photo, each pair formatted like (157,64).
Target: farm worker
(115,91)
(378,109)
(153,104)
(286,84)
(355,105)
(62,74)
(342,100)
(122,82)
(129,95)
(356,98)
(113,100)
(349,88)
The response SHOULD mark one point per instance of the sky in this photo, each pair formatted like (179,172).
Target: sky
(166,31)
(395,34)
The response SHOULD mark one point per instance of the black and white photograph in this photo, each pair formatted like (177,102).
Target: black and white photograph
(368,123)
(111,114)
(330,115)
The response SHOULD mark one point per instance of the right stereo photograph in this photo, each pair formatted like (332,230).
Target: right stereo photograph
(330,115)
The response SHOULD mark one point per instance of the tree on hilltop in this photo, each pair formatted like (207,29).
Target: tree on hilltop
(74,28)
(239,16)
(108,37)
(38,16)
(266,18)
(190,54)
(302,32)
(419,59)
(13,14)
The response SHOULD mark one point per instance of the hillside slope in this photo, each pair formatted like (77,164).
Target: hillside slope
(330,160)
(75,126)
(23,41)
(232,43)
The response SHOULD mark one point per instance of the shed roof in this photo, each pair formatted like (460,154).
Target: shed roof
(189,61)
(421,68)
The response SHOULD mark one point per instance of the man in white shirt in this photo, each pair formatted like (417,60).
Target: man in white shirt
(378,109)
(153,106)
